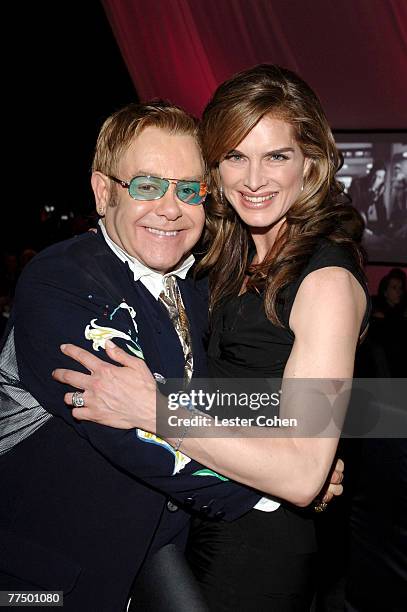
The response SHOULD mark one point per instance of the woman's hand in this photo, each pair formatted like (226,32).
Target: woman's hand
(125,397)
(335,487)
(121,397)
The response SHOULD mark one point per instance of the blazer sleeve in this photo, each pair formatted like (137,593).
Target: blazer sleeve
(53,306)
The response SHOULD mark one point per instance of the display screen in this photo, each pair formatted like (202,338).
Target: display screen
(374,174)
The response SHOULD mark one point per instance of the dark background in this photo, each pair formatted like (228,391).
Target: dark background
(67,78)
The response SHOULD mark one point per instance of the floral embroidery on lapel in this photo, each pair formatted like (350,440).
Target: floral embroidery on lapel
(208,472)
(180,460)
(100,333)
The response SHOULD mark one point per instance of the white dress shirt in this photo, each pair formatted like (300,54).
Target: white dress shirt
(152,280)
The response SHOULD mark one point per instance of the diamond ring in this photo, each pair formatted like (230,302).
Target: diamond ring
(77,399)
(320,506)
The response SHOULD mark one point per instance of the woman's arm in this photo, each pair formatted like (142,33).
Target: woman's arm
(326,319)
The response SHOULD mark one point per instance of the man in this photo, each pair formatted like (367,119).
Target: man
(398,196)
(83,504)
(367,193)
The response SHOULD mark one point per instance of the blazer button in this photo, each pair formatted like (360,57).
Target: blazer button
(205,509)
(171,507)
(219,515)
(190,501)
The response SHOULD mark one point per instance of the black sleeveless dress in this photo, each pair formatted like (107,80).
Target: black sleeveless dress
(263,561)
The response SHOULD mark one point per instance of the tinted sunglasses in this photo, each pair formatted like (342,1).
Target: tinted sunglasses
(154,188)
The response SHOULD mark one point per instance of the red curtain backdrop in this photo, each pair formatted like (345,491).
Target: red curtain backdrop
(352,52)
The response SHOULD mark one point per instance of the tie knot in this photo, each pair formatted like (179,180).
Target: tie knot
(169,283)
(171,299)
(170,290)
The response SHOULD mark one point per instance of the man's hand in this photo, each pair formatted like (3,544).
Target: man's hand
(121,397)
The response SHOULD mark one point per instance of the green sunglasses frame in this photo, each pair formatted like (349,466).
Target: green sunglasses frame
(126,185)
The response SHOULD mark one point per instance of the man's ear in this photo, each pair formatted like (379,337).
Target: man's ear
(101,189)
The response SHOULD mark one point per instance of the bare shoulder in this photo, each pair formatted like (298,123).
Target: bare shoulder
(326,320)
(331,283)
(332,294)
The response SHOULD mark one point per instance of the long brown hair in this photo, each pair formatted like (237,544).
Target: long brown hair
(320,209)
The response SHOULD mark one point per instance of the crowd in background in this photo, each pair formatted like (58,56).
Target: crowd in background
(43,229)
(11,265)
(382,354)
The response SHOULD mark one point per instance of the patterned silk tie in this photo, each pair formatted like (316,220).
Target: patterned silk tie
(171,298)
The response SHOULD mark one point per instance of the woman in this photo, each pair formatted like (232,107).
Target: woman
(388,326)
(287,299)
(390,301)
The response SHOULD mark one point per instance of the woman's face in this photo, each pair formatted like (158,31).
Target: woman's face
(378,178)
(262,177)
(394,292)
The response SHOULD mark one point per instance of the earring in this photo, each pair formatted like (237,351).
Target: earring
(221,193)
(101,211)
(302,187)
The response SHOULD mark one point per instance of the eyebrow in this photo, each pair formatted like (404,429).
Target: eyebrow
(197,179)
(273,152)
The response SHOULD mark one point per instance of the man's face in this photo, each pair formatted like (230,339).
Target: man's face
(159,233)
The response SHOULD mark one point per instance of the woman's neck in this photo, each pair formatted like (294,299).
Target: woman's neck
(264,239)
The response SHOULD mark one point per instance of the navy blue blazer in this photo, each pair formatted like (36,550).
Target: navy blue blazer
(83,504)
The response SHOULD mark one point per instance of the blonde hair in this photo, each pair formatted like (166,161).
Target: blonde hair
(118,131)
